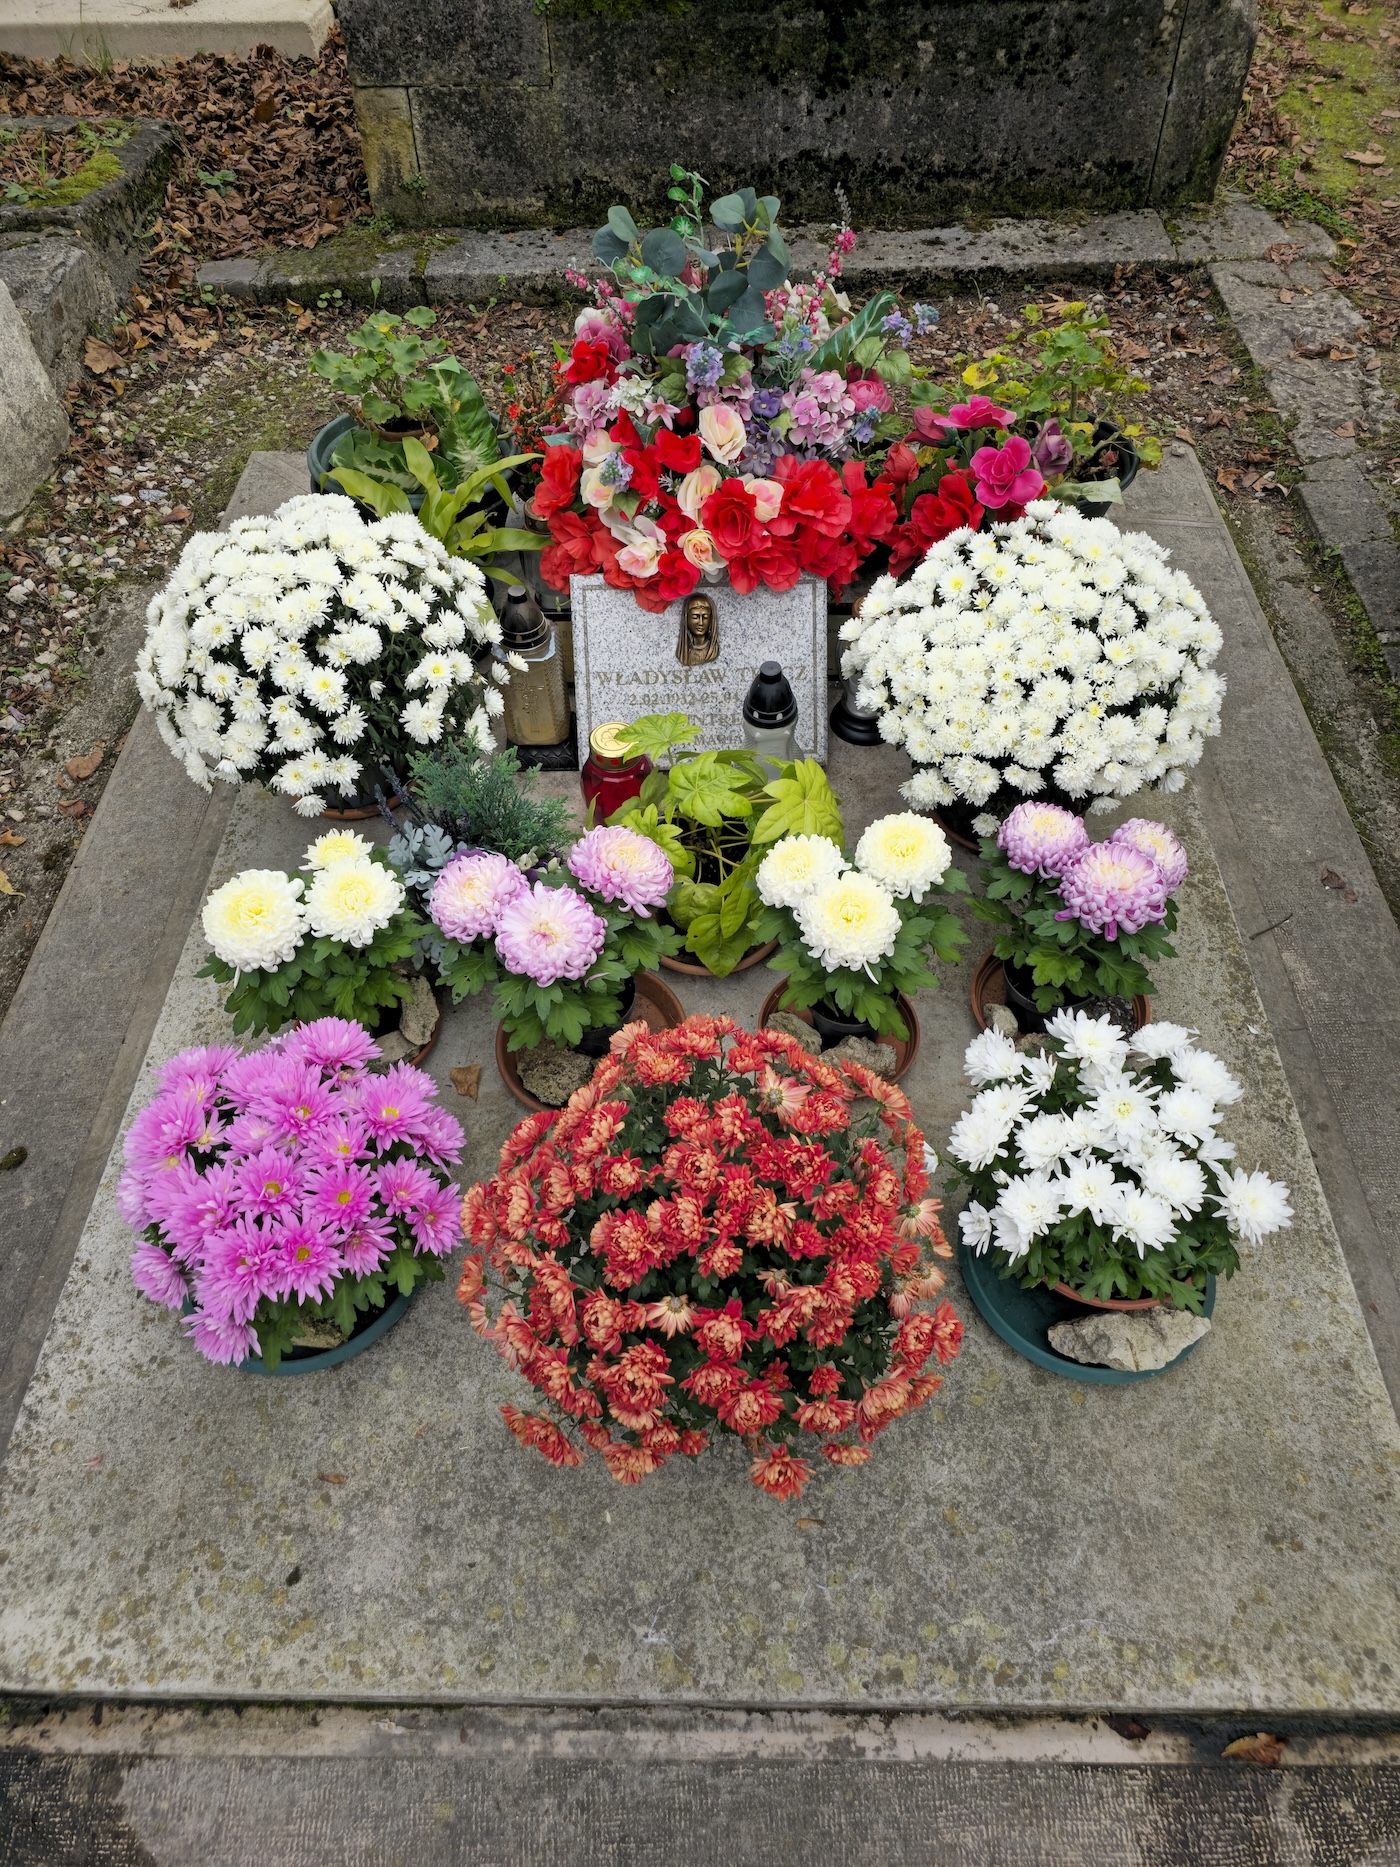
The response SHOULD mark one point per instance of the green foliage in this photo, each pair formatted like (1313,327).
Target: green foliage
(324,979)
(714,813)
(394,374)
(728,305)
(458,519)
(1066,960)
(485,801)
(868,994)
(280,1322)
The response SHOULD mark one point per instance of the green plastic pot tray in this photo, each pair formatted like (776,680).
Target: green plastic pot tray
(1024,1319)
(332,1357)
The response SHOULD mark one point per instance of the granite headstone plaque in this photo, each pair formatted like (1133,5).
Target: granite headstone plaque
(626,661)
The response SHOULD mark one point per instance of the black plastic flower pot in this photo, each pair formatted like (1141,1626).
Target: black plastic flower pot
(833,1029)
(1114,458)
(1020,989)
(595,1040)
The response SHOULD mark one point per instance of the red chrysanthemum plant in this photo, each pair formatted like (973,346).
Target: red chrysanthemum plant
(718,1233)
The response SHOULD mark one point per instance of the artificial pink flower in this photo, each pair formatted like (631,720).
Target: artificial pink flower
(979,411)
(1005,474)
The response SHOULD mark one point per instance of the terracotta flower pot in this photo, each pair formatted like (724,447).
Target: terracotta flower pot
(905,1049)
(1078,1296)
(989,987)
(693,968)
(656,1005)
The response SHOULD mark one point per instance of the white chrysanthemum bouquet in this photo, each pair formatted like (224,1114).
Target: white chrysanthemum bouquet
(309,648)
(852,936)
(1097,1164)
(294,950)
(1051,656)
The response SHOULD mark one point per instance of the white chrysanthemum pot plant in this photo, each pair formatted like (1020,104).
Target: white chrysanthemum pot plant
(314,653)
(1082,920)
(1097,1167)
(1050,657)
(854,935)
(338,941)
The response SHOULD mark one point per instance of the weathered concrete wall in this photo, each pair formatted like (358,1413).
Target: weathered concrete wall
(486,113)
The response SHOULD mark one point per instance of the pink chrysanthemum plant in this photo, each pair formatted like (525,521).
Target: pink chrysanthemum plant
(562,949)
(1082,919)
(285,1195)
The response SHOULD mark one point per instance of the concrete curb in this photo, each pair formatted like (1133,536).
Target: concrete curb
(1323,378)
(529,265)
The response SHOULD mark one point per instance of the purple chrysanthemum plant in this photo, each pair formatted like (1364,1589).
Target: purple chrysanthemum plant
(561,951)
(288,1193)
(1082,920)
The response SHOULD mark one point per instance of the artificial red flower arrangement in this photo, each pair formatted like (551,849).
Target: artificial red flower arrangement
(718,1233)
(681,518)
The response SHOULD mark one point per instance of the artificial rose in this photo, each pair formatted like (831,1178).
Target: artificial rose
(643,462)
(679,453)
(597,446)
(594,490)
(772,561)
(643,541)
(768,497)
(574,552)
(869,392)
(696,488)
(722,432)
(812,495)
(624,432)
(699,547)
(928,428)
(979,411)
(873,514)
(902,465)
(835,559)
(675,578)
(731,518)
(558,481)
(596,327)
(1006,475)
(1053,451)
(934,516)
(589,362)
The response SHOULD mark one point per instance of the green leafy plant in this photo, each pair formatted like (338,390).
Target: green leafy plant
(460,519)
(484,801)
(398,378)
(1065,959)
(325,979)
(715,814)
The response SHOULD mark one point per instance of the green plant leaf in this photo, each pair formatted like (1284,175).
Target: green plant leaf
(804,804)
(654,734)
(380,496)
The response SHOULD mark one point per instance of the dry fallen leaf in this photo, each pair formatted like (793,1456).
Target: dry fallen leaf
(1261,1748)
(99,357)
(1368,158)
(811,1523)
(1331,879)
(84,767)
(12,839)
(1229,478)
(467,1081)
(7,887)
(75,808)
(1283,252)
(1131,352)
(331,1478)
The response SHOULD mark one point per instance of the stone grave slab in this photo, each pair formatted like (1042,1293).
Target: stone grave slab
(1220,1539)
(626,664)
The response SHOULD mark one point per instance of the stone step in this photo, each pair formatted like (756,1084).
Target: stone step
(150,32)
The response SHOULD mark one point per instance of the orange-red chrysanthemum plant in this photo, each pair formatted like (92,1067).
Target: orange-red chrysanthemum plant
(718,1233)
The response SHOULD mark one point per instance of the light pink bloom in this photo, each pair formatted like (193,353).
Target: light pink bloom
(621,865)
(767,497)
(1006,475)
(1113,888)
(470,892)
(549,934)
(696,488)
(722,433)
(1157,841)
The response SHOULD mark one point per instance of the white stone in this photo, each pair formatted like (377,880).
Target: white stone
(33,426)
(625,660)
(1132,1340)
(90,32)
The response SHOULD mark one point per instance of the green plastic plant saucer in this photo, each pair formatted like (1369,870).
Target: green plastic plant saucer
(1023,1319)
